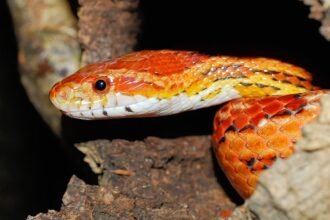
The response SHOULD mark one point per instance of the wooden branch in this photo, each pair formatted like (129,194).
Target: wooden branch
(48,50)
(107,28)
(153,179)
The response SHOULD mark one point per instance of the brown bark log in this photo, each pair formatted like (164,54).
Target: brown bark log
(48,50)
(107,28)
(151,179)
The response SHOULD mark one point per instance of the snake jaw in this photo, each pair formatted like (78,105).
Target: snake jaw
(81,103)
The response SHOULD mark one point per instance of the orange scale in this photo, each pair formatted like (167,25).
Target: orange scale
(227,168)
(311,112)
(279,77)
(242,169)
(247,130)
(307,85)
(258,166)
(236,143)
(257,118)
(296,104)
(268,162)
(235,112)
(267,154)
(285,153)
(307,115)
(231,156)
(268,130)
(286,99)
(281,119)
(279,142)
(240,181)
(218,133)
(256,143)
(292,128)
(293,80)
(237,73)
(247,154)
(226,123)
(225,74)
(225,108)
(246,192)
(230,69)
(252,180)
(252,110)
(273,108)
(266,101)
(220,154)
(241,121)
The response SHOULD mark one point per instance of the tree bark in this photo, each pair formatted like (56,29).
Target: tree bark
(150,179)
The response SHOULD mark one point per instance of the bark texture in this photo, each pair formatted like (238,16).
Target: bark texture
(48,50)
(150,179)
(107,28)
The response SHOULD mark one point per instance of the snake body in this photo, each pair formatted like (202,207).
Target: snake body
(271,101)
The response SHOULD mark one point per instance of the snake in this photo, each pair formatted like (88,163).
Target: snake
(263,102)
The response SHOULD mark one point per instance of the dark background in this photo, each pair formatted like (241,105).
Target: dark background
(34,165)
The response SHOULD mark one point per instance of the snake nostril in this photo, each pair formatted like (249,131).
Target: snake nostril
(61,97)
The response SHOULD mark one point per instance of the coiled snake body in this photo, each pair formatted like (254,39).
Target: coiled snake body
(271,101)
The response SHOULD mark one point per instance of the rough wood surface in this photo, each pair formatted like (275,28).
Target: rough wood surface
(150,179)
(107,28)
(48,50)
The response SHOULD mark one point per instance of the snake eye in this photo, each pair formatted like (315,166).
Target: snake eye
(100,85)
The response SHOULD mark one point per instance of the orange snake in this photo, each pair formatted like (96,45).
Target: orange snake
(271,101)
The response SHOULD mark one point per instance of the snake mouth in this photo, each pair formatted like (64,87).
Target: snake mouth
(140,109)
(151,107)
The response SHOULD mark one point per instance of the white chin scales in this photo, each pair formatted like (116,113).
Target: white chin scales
(139,106)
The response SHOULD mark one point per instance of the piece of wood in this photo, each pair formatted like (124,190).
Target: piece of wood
(107,28)
(171,179)
(48,50)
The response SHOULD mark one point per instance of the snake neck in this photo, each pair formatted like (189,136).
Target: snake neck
(244,77)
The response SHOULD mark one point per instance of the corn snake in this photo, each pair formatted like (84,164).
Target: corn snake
(268,101)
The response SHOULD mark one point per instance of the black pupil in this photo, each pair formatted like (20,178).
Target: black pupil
(100,85)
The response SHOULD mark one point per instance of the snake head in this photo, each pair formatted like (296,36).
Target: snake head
(140,84)
(97,92)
